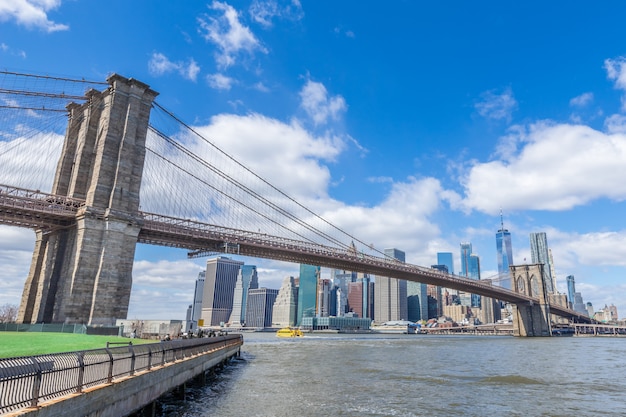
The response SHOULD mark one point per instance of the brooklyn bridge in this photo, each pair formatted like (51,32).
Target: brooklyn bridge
(128,171)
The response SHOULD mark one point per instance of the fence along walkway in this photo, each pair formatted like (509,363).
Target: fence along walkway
(30,380)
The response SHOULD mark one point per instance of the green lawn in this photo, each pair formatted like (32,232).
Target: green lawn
(14,344)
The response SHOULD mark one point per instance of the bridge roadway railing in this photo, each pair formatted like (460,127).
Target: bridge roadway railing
(27,381)
(203,238)
(35,209)
(206,238)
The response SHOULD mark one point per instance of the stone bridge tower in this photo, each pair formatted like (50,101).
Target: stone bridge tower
(83,273)
(530,319)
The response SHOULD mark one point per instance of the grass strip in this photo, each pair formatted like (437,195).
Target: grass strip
(14,344)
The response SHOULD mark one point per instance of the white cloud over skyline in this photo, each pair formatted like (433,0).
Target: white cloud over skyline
(496,106)
(582,100)
(557,167)
(228,34)
(318,105)
(220,81)
(159,65)
(265,11)
(32,14)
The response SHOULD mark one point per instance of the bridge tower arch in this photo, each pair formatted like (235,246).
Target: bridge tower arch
(83,273)
(530,319)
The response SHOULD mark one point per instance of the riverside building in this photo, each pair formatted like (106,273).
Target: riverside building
(539,255)
(259,308)
(504,254)
(219,289)
(390,295)
(307,291)
(286,304)
(247,279)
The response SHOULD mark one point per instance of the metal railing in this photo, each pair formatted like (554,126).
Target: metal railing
(29,380)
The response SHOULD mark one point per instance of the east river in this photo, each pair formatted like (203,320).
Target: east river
(414,375)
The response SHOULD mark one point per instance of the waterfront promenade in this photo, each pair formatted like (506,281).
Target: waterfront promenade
(107,382)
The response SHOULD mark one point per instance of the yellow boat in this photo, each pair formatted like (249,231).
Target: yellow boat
(289,332)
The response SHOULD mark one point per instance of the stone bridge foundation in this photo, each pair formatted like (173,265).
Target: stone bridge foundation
(532,319)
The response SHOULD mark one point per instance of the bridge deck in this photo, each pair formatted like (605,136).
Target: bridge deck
(27,208)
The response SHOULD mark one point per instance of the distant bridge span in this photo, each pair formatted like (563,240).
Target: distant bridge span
(37,210)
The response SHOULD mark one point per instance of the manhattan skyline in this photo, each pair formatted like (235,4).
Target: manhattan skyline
(410,125)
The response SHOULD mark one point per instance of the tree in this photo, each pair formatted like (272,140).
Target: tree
(8,313)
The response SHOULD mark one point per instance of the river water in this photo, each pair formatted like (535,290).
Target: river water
(414,375)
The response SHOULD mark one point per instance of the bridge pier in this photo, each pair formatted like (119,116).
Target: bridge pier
(83,273)
(533,319)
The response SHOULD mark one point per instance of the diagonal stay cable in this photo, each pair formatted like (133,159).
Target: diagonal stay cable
(269,184)
(223,193)
(250,192)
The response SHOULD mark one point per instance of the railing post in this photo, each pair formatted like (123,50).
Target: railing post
(110,375)
(81,371)
(132,360)
(149,358)
(37,384)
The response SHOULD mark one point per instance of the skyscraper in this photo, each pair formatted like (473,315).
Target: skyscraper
(571,290)
(341,279)
(219,290)
(504,254)
(417,301)
(259,308)
(539,255)
(445,258)
(307,291)
(470,262)
(390,294)
(361,296)
(286,304)
(324,297)
(196,307)
(247,279)
(470,268)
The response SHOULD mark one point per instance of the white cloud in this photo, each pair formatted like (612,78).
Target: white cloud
(597,248)
(16,251)
(348,33)
(284,154)
(616,71)
(396,221)
(558,167)
(581,100)
(263,12)
(159,65)
(228,33)
(31,14)
(318,105)
(496,106)
(615,123)
(261,87)
(380,180)
(220,81)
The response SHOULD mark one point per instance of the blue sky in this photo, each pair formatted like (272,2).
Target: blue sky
(410,124)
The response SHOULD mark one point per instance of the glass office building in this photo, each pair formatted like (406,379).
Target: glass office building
(307,291)
(539,255)
(505,257)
